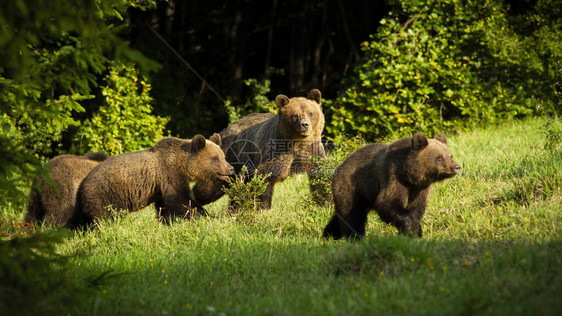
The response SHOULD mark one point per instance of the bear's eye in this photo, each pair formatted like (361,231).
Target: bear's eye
(215,159)
(311,114)
(440,158)
(294,117)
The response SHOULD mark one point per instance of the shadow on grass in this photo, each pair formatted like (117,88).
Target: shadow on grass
(390,274)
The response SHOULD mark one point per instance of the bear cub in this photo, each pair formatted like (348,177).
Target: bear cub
(53,205)
(159,175)
(394,180)
(275,144)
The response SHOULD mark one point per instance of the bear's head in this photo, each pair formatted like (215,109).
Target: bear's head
(301,117)
(207,160)
(429,160)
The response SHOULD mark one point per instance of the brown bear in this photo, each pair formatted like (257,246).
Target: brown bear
(394,180)
(276,144)
(53,203)
(160,175)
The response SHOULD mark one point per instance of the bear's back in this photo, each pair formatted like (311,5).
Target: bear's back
(55,204)
(248,128)
(114,172)
(125,181)
(363,171)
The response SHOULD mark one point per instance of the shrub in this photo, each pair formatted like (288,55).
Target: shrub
(244,193)
(324,169)
(437,64)
(125,123)
(257,102)
(51,54)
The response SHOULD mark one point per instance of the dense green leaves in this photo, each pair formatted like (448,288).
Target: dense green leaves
(51,56)
(125,123)
(436,64)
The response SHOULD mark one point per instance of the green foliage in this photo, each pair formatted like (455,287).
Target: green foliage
(33,278)
(324,169)
(244,194)
(51,55)
(256,103)
(125,122)
(553,134)
(438,64)
(321,180)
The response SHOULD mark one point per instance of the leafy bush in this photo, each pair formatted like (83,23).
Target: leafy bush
(125,123)
(437,64)
(51,54)
(325,168)
(256,103)
(553,134)
(244,194)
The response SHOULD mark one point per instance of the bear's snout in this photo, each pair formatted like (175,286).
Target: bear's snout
(230,170)
(456,168)
(226,172)
(303,127)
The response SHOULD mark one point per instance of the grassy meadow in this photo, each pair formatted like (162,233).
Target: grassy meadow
(492,245)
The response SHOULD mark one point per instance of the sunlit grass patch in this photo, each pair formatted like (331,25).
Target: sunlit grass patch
(491,245)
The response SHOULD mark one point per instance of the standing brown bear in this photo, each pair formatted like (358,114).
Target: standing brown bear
(276,144)
(53,205)
(159,175)
(394,180)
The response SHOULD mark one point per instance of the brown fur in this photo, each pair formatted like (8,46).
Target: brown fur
(159,175)
(53,203)
(276,144)
(394,180)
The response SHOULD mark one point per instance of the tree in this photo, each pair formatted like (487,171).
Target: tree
(442,63)
(51,55)
(289,46)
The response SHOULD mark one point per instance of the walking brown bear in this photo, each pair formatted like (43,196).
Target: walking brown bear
(394,180)
(53,205)
(159,175)
(276,144)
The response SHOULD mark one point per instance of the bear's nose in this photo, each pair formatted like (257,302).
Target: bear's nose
(304,124)
(457,169)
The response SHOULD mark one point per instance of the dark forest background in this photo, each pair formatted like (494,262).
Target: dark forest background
(297,45)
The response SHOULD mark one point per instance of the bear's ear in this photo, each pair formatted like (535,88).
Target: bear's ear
(197,143)
(315,95)
(419,141)
(216,138)
(281,100)
(441,137)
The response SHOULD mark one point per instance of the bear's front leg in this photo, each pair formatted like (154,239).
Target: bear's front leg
(401,218)
(412,229)
(394,207)
(276,170)
(178,205)
(267,196)
(208,190)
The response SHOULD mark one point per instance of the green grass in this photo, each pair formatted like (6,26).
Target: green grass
(492,245)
